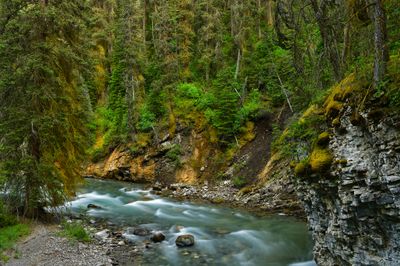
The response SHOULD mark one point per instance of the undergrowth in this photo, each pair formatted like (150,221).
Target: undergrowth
(75,231)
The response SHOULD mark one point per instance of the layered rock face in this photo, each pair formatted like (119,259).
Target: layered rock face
(169,160)
(354,209)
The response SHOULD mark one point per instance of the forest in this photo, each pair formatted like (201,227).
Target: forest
(80,78)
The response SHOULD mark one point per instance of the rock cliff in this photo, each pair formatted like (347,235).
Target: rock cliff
(354,208)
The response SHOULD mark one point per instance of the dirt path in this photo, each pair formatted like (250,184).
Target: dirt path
(44,247)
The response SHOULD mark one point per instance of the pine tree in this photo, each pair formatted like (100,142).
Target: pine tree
(43,104)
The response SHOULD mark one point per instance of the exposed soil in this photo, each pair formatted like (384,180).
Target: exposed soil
(256,153)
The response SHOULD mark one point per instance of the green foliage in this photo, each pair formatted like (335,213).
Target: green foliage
(239,181)
(296,141)
(147,119)
(223,112)
(250,108)
(189,91)
(45,104)
(9,235)
(392,83)
(75,231)
(6,219)
(174,154)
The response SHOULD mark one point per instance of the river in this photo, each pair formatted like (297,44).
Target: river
(223,236)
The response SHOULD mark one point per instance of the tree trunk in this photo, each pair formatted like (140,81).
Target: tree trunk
(381,49)
(239,56)
(270,13)
(144,22)
(328,39)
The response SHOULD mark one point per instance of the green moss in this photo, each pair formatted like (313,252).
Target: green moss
(320,160)
(246,190)
(301,169)
(336,122)
(323,139)
(340,94)
(332,109)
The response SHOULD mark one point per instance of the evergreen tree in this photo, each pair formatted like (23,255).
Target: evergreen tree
(43,104)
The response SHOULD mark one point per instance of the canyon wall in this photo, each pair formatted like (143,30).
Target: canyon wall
(354,209)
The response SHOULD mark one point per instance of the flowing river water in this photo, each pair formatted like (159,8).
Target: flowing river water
(223,236)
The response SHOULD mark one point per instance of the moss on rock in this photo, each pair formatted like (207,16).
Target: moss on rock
(301,168)
(323,139)
(336,122)
(332,109)
(320,159)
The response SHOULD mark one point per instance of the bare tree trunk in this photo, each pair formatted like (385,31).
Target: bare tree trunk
(346,44)
(284,90)
(381,49)
(144,22)
(259,19)
(238,64)
(270,13)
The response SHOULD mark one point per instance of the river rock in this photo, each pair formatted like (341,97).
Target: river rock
(102,235)
(157,237)
(139,231)
(93,206)
(185,241)
(157,186)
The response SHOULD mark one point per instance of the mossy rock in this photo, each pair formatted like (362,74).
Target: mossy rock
(341,93)
(218,200)
(301,169)
(323,139)
(320,160)
(336,122)
(332,109)
(246,190)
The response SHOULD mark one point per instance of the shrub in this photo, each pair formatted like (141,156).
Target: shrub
(250,108)
(75,231)
(239,181)
(146,119)
(9,235)
(174,154)
(6,219)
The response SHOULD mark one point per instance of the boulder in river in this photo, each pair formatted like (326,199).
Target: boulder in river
(185,240)
(93,206)
(157,237)
(138,231)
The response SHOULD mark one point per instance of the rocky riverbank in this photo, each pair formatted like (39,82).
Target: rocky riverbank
(109,245)
(44,246)
(272,198)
